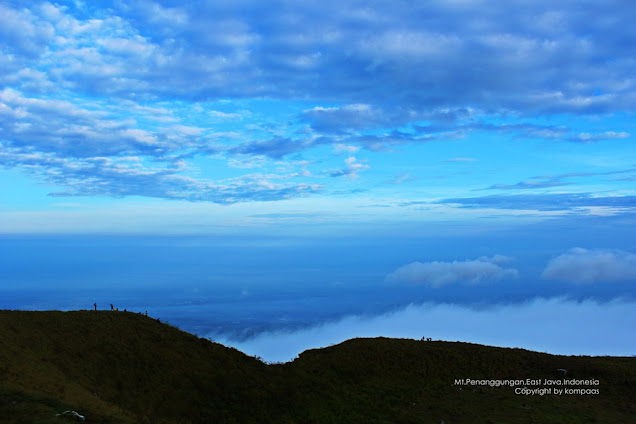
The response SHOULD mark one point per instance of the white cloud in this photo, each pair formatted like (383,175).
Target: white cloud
(225,115)
(410,45)
(367,82)
(339,148)
(592,266)
(402,178)
(549,325)
(256,51)
(607,135)
(348,116)
(352,167)
(437,273)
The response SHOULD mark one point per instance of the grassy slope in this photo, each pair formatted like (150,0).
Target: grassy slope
(117,367)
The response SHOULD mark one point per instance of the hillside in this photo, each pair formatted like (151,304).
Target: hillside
(120,367)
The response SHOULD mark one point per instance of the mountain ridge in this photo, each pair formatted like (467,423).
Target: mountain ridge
(124,367)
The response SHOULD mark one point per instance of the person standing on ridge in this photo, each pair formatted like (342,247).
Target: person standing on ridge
(95,305)
(111,307)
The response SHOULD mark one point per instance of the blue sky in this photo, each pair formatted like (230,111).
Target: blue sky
(503,130)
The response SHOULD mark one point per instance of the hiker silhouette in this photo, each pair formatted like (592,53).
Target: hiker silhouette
(95,305)
(111,307)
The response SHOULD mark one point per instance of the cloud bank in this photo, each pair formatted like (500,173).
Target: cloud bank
(436,274)
(592,266)
(555,326)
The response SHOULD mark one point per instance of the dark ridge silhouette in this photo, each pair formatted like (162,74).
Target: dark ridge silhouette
(129,368)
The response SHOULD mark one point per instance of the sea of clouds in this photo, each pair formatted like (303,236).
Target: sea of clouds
(554,325)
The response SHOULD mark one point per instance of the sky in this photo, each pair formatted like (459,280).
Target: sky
(319,164)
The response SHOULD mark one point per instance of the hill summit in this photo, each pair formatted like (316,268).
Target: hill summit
(123,367)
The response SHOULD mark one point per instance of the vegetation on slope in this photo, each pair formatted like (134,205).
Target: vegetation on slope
(119,367)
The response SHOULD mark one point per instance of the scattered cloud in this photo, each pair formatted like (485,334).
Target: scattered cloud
(586,174)
(84,81)
(591,138)
(402,178)
(546,181)
(274,148)
(344,148)
(517,64)
(592,266)
(460,160)
(543,202)
(351,169)
(530,184)
(336,119)
(436,274)
(247,162)
(130,176)
(225,115)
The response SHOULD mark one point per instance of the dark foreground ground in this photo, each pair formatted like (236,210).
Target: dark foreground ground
(120,367)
